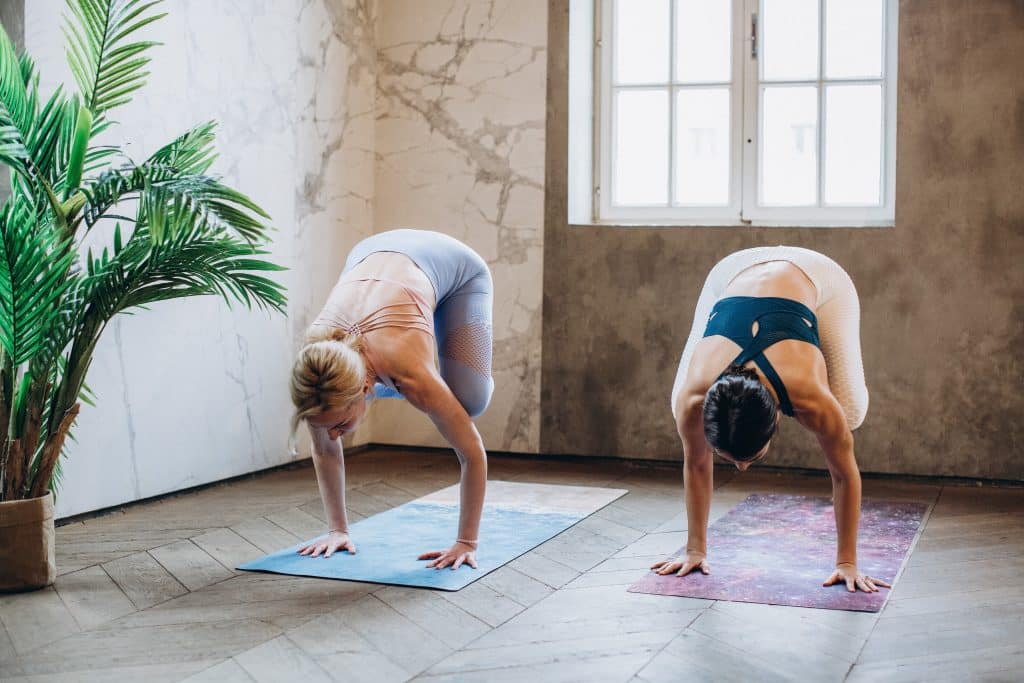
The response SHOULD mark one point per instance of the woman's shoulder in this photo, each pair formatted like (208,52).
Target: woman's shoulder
(403,353)
(809,391)
(689,402)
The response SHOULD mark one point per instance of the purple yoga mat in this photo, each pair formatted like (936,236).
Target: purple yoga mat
(777,550)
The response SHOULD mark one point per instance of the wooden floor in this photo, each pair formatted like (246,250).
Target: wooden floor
(150,593)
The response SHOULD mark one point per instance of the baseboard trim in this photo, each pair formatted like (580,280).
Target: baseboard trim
(293,465)
(373,447)
(642,463)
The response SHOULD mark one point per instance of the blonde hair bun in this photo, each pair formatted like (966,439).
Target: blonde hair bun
(329,374)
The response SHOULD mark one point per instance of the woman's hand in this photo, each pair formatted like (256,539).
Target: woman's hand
(456,556)
(847,572)
(682,566)
(328,545)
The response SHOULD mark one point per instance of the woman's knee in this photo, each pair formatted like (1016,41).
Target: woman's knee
(476,398)
(856,413)
(476,405)
(472,389)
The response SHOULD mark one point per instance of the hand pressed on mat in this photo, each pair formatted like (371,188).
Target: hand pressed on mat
(847,572)
(328,545)
(459,554)
(682,566)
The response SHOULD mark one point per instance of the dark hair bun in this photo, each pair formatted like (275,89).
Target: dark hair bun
(742,371)
(739,413)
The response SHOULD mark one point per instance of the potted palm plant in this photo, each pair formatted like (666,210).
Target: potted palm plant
(159,229)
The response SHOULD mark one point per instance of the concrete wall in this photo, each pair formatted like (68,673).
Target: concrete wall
(12,18)
(942,292)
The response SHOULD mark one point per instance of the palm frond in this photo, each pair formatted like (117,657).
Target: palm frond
(14,74)
(65,321)
(106,67)
(33,132)
(96,156)
(79,147)
(12,150)
(43,139)
(15,106)
(207,203)
(191,153)
(141,272)
(221,267)
(43,124)
(32,281)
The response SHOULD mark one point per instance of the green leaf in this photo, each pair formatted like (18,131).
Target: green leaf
(76,161)
(106,68)
(191,153)
(33,266)
(15,107)
(199,202)
(183,264)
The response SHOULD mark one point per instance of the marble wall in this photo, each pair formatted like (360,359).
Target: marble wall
(460,149)
(192,391)
(341,117)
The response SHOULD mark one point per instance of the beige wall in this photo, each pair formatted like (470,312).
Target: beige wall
(942,292)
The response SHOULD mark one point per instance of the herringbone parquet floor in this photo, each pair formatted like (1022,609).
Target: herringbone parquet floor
(150,593)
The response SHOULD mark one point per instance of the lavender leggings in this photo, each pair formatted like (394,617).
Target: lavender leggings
(462,319)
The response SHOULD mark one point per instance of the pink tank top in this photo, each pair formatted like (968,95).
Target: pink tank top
(384,316)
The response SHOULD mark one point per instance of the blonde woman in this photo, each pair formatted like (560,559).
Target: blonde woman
(404,299)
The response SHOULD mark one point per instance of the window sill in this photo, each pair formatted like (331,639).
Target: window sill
(648,223)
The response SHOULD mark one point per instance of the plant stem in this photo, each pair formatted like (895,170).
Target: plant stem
(76,160)
(51,452)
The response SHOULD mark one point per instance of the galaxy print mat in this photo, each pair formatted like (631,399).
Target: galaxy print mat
(777,550)
(517,517)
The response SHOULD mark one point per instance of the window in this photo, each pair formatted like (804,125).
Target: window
(729,112)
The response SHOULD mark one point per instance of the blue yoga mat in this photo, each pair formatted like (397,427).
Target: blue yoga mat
(517,517)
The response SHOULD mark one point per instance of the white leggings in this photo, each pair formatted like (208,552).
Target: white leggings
(837,310)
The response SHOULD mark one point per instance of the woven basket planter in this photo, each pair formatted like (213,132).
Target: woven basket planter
(26,544)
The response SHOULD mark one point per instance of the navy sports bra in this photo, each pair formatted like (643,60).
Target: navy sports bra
(777,319)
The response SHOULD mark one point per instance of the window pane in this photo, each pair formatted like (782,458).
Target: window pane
(789,39)
(641,148)
(703,41)
(789,146)
(853,39)
(853,144)
(641,41)
(702,146)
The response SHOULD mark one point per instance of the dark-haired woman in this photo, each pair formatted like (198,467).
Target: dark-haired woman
(776,330)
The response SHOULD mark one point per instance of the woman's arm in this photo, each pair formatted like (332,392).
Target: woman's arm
(429,393)
(837,443)
(827,420)
(698,475)
(698,483)
(329,463)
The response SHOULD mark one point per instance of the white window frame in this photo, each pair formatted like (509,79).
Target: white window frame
(743,208)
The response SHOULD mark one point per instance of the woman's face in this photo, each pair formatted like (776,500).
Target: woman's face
(742,465)
(339,422)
